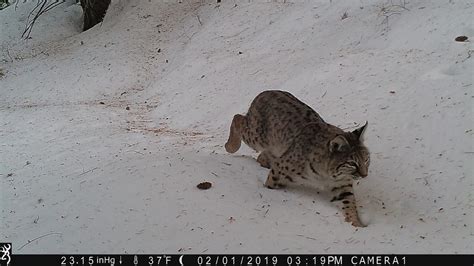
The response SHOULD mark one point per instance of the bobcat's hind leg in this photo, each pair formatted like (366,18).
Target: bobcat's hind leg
(276,178)
(279,175)
(264,159)
(273,180)
(235,135)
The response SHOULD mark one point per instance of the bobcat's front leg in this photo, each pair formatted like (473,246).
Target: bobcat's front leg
(345,193)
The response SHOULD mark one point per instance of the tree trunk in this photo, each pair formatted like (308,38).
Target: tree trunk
(94,12)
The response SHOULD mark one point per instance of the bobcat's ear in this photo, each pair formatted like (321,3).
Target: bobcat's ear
(360,131)
(339,144)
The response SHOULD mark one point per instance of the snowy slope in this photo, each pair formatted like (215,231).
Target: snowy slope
(84,174)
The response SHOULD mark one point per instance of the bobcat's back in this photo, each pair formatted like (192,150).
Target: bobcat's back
(275,119)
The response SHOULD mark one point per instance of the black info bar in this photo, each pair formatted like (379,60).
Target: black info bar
(237,259)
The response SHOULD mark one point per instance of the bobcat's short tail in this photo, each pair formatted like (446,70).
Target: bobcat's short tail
(235,134)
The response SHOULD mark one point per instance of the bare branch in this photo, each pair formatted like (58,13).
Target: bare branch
(41,7)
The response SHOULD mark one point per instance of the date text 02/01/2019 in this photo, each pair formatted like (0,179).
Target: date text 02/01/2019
(302,260)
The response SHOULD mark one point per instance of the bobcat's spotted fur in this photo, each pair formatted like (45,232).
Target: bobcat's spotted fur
(297,145)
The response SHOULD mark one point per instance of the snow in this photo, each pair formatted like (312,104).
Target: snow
(86,175)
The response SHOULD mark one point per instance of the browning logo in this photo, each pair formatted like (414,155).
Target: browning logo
(5,252)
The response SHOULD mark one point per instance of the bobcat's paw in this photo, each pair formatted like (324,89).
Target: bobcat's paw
(355,222)
(273,185)
(358,224)
(262,159)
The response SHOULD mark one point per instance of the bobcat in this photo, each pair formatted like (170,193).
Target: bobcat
(298,146)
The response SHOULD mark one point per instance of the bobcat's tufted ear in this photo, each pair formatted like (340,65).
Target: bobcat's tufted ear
(360,131)
(339,144)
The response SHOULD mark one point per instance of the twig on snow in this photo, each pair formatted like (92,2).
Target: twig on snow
(90,170)
(30,241)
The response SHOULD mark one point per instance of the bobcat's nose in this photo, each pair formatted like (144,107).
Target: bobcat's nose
(363,172)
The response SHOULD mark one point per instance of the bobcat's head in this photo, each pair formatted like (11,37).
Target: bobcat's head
(348,156)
